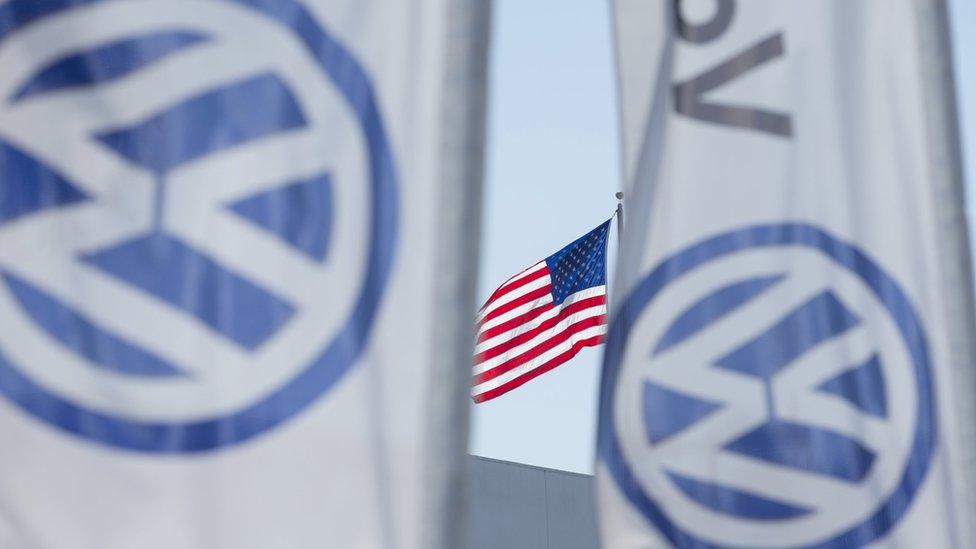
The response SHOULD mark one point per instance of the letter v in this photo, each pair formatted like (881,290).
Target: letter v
(688,94)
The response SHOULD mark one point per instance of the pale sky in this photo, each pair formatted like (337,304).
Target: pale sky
(552,168)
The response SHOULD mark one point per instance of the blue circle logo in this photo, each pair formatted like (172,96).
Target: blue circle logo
(198,211)
(768,387)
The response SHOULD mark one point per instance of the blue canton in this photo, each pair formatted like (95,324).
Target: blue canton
(581,265)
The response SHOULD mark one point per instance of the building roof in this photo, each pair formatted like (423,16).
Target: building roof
(517,506)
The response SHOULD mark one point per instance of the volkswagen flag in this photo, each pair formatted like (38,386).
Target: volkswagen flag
(236,259)
(789,360)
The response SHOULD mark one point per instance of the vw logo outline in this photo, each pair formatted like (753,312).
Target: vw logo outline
(890,507)
(342,349)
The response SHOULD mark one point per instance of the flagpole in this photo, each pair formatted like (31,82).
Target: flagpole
(620,217)
(620,231)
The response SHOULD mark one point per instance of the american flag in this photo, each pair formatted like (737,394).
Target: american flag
(541,317)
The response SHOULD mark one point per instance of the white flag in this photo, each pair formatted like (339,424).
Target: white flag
(789,361)
(237,244)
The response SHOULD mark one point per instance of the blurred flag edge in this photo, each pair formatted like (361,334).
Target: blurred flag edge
(466,86)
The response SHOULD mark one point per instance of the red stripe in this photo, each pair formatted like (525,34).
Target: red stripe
(543,368)
(510,324)
(517,302)
(530,315)
(503,289)
(548,324)
(539,349)
(495,294)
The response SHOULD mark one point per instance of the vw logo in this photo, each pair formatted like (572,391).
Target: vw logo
(768,387)
(197,217)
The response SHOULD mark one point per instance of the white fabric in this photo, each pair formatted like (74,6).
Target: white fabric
(857,162)
(370,461)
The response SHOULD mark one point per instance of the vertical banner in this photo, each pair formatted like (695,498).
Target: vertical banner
(789,361)
(237,245)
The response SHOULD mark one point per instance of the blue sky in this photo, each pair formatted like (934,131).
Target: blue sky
(552,168)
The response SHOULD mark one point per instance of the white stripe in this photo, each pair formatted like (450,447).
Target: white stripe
(538,361)
(515,278)
(521,309)
(522,275)
(570,299)
(541,302)
(515,294)
(537,340)
(521,328)
(500,339)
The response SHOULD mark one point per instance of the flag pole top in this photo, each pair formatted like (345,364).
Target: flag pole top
(620,214)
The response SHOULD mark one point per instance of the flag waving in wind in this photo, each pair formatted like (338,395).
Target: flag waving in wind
(541,317)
